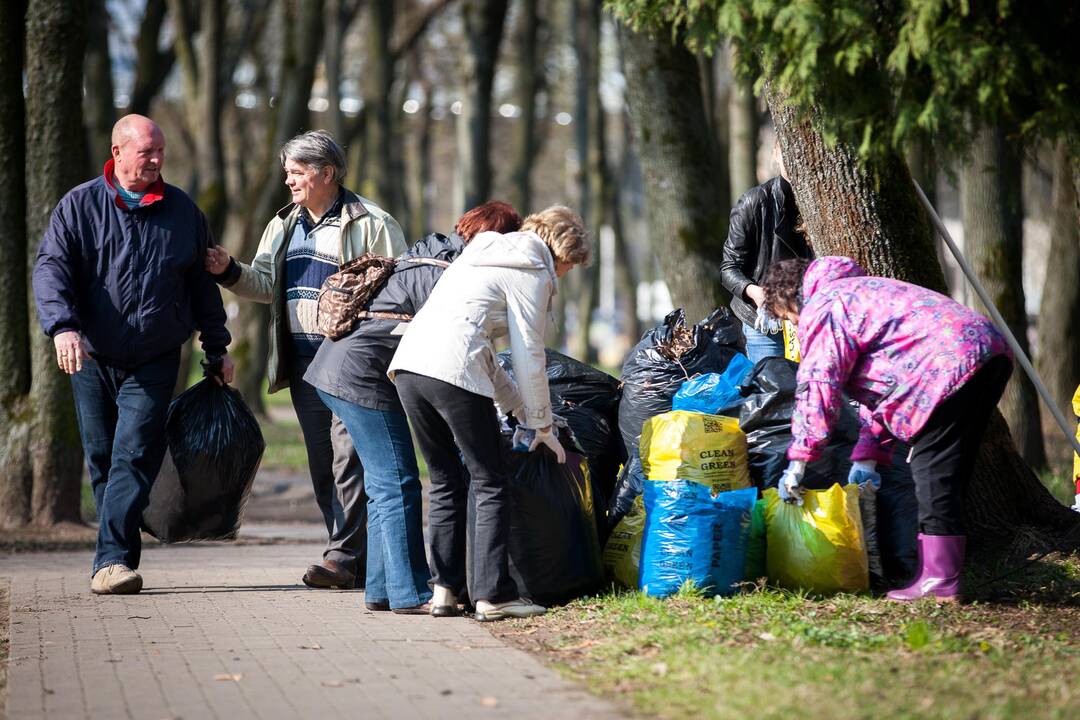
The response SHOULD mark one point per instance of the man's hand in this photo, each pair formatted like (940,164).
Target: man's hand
(220,369)
(755,293)
(217,260)
(69,351)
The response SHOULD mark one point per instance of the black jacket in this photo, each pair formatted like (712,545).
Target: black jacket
(131,281)
(761,232)
(353,368)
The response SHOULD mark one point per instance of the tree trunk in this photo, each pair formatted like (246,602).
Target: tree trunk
(98,101)
(212,198)
(990,194)
(16,476)
(152,66)
(484,20)
(55,47)
(530,80)
(742,133)
(301,37)
(1059,338)
(589,132)
(684,189)
(335,41)
(378,81)
(871,213)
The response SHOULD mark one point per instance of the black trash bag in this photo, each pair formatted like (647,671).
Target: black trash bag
(554,548)
(214,449)
(667,356)
(630,485)
(590,435)
(765,417)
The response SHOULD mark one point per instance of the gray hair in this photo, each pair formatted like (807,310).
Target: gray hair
(317,149)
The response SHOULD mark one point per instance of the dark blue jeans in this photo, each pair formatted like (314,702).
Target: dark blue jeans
(122,425)
(397,568)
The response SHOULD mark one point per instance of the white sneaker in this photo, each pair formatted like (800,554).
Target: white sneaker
(116,580)
(520,608)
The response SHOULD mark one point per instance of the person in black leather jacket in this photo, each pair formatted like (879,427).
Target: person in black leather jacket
(763,230)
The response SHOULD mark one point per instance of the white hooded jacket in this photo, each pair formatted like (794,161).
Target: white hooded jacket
(501,285)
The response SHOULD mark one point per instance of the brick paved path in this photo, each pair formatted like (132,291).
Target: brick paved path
(228,632)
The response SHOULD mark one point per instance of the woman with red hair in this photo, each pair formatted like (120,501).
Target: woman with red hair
(350,377)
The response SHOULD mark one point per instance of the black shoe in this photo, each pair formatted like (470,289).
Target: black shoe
(424,609)
(378,605)
(330,574)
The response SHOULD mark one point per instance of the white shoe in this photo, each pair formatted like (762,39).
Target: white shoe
(520,608)
(116,580)
(443,602)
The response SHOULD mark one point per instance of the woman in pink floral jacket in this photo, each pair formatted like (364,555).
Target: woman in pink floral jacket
(925,370)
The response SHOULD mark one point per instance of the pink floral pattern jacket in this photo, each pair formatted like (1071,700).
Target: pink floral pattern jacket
(898,349)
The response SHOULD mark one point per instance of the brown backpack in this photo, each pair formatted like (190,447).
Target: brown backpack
(347,292)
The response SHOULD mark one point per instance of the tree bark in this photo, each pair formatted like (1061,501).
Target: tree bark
(55,47)
(1059,338)
(336,25)
(301,38)
(530,80)
(16,476)
(484,20)
(378,81)
(685,192)
(871,213)
(152,65)
(98,100)
(990,191)
(742,133)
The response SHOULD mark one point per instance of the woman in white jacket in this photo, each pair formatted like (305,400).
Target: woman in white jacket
(448,379)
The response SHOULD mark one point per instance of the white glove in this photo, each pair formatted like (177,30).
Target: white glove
(765,323)
(1076,504)
(864,471)
(790,487)
(547,437)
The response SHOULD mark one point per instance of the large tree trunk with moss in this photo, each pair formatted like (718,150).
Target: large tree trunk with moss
(990,194)
(43,455)
(1059,311)
(871,213)
(686,191)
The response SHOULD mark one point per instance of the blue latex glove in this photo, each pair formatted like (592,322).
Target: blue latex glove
(765,323)
(863,471)
(790,488)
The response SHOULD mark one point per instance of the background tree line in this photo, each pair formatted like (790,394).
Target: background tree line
(649,117)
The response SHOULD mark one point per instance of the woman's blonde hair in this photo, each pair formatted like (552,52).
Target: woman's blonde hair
(563,231)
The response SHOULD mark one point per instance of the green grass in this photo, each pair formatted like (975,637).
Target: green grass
(770,653)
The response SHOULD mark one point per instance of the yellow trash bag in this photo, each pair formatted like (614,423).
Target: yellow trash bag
(792,350)
(1076,458)
(707,449)
(622,553)
(817,546)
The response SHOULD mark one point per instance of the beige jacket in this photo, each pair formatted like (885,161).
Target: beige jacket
(499,287)
(365,227)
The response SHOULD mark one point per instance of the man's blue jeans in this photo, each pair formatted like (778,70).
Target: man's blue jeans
(397,568)
(759,345)
(122,425)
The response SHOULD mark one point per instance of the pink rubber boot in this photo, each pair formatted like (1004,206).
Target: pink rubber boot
(941,558)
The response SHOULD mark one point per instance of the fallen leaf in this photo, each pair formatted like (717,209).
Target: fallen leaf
(767,636)
(229,677)
(312,646)
(489,701)
(580,646)
(332,683)
(660,669)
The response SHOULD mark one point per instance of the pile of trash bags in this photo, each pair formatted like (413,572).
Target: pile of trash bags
(214,449)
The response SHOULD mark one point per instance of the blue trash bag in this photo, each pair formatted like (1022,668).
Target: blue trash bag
(712,393)
(677,545)
(692,536)
(730,535)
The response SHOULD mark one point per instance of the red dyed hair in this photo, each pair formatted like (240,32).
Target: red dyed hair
(495,215)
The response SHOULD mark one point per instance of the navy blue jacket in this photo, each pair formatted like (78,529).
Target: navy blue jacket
(353,368)
(131,281)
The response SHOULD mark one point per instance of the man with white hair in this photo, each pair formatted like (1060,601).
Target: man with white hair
(120,284)
(324,226)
